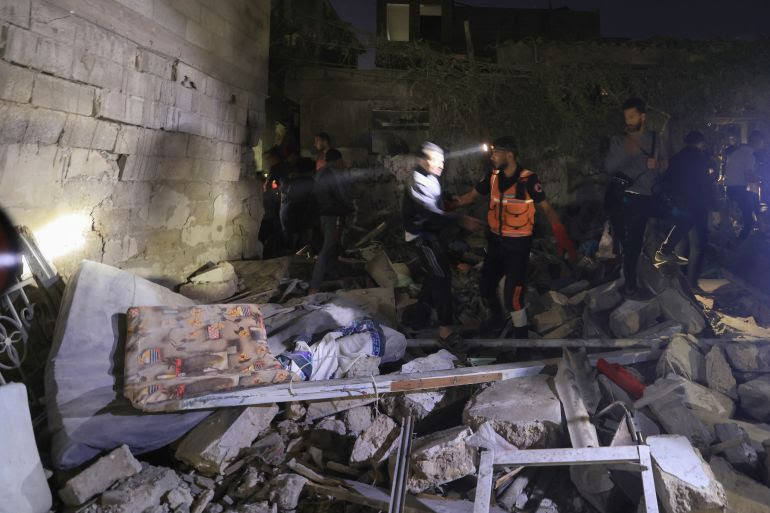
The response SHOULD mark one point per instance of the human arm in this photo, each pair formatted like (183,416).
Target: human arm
(563,242)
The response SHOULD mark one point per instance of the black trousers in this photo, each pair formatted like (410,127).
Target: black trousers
(332,246)
(748,203)
(437,290)
(697,240)
(636,209)
(506,256)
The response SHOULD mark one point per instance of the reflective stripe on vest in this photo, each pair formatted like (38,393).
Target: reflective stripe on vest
(508,216)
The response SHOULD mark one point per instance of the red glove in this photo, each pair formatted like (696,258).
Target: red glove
(563,242)
(621,377)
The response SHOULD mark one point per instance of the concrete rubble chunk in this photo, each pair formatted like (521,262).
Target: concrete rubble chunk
(255,507)
(674,306)
(683,480)
(179,498)
(269,448)
(105,471)
(566,330)
(319,409)
(331,436)
(284,490)
(604,297)
(719,375)
(748,357)
(357,419)
(739,452)
(574,288)
(141,491)
(217,441)
(439,458)
(294,411)
(755,398)
(744,495)
(632,316)
(212,285)
(202,501)
(553,318)
(682,357)
(375,443)
(250,483)
(554,298)
(524,411)
(660,330)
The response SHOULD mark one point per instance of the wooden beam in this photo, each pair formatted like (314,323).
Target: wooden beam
(350,388)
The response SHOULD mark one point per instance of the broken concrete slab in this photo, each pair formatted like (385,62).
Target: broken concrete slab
(664,329)
(748,357)
(357,419)
(553,318)
(141,491)
(222,272)
(683,358)
(375,443)
(270,448)
(553,298)
(566,330)
(319,409)
(179,498)
(439,458)
(683,480)
(604,297)
(719,374)
(285,489)
(524,411)
(216,442)
(99,476)
(739,451)
(755,398)
(574,288)
(674,306)
(632,316)
(744,495)
(757,433)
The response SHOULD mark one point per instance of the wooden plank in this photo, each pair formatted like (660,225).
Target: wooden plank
(351,388)
(556,343)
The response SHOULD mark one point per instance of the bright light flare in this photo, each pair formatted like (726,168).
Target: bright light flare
(485,147)
(477,148)
(63,235)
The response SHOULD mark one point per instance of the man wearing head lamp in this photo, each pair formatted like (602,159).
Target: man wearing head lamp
(513,192)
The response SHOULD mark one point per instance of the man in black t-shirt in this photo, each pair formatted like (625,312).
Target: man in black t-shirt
(513,192)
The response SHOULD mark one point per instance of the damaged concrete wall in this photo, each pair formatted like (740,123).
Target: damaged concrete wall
(129,120)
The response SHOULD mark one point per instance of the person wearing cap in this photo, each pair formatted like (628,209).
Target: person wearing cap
(513,193)
(425,215)
(334,205)
(692,188)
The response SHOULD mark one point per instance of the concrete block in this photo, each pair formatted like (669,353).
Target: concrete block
(742,455)
(439,458)
(141,491)
(42,53)
(748,357)
(15,83)
(135,110)
(150,62)
(106,44)
(552,318)
(99,476)
(632,316)
(59,94)
(374,445)
(719,375)
(683,481)
(111,105)
(144,85)
(604,297)
(87,132)
(755,398)
(227,172)
(285,489)
(172,144)
(744,495)
(524,411)
(96,70)
(675,307)
(682,357)
(15,11)
(215,443)
(50,21)
(82,163)
(45,126)
(179,498)
(138,168)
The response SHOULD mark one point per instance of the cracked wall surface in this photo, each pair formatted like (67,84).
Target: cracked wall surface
(137,114)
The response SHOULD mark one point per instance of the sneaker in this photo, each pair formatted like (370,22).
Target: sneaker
(662,259)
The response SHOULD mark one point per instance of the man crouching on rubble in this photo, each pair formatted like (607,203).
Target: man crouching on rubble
(513,193)
(424,218)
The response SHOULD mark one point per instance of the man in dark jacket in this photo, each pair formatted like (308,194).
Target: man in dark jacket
(692,189)
(296,192)
(334,204)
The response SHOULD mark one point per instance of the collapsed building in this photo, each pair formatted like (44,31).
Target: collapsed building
(165,363)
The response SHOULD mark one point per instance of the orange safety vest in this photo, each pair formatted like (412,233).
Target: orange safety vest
(509,216)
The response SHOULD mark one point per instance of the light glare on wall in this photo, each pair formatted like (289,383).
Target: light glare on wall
(63,235)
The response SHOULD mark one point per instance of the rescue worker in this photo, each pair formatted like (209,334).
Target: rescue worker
(513,193)
(424,217)
(334,204)
(740,171)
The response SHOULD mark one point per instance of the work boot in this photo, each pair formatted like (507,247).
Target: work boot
(662,259)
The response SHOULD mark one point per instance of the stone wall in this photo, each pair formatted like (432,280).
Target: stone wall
(134,116)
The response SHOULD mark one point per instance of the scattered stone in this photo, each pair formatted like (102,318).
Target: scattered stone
(592,328)
(524,411)
(676,307)
(766,466)
(683,481)
(179,498)
(439,458)
(294,411)
(257,507)
(330,436)
(682,357)
(380,268)
(574,288)
(748,357)
(755,398)
(742,455)
(270,449)
(510,497)
(284,490)
(319,409)
(250,483)
(566,330)
(218,440)
(375,444)
(664,329)
(288,428)
(604,297)
(208,293)
(108,469)
(141,491)
(744,495)
(553,298)
(632,316)
(202,501)
(577,299)
(719,375)
(553,318)
(357,419)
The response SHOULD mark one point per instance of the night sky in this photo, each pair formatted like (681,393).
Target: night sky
(698,19)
